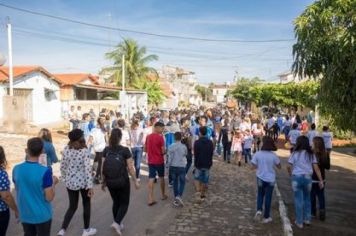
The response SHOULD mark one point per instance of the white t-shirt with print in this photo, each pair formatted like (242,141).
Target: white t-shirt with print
(328,138)
(99,142)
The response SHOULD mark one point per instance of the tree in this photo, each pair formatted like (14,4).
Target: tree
(136,62)
(154,92)
(325,49)
(242,89)
(205,92)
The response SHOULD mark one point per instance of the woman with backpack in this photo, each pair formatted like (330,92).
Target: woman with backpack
(302,162)
(118,163)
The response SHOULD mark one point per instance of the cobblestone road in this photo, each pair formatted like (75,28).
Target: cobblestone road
(229,208)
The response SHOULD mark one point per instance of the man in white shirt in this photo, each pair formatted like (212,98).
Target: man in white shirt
(328,138)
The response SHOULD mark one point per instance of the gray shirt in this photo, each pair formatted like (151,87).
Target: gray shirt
(302,163)
(265,162)
(177,155)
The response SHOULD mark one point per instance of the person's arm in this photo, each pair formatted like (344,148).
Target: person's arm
(7,197)
(289,169)
(49,183)
(317,171)
(163,147)
(132,172)
(88,175)
(90,140)
(64,165)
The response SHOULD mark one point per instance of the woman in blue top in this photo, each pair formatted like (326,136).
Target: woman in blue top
(6,199)
(48,147)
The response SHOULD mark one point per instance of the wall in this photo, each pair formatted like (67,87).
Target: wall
(67,93)
(97,105)
(43,111)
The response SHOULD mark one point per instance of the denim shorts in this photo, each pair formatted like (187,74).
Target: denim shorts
(202,175)
(155,169)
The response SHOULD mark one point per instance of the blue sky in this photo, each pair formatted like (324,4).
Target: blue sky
(217,62)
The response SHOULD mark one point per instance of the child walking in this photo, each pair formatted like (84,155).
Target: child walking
(265,161)
(177,161)
(236,146)
(247,141)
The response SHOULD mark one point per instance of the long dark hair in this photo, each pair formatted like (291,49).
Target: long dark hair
(78,144)
(45,135)
(115,138)
(303,145)
(268,144)
(3,162)
(319,149)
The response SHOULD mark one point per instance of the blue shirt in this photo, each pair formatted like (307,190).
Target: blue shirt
(4,186)
(85,128)
(169,139)
(31,179)
(50,152)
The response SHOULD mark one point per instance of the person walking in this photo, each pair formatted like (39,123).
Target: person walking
(34,184)
(247,145)
(328,138)
(258,133)
(302,162)
(118,163)
(225,137)
(97,141)
(311,134)
(77,175)
(155,149)
(136,140)
(49,157)
(177,161)
(317,192)
(6,199)
(236,146)
(203,152)
(264,162)
(293,136)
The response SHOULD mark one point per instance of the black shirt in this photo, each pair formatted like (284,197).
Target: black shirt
(203,153)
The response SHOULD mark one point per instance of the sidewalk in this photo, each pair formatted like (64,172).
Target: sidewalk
(229,208)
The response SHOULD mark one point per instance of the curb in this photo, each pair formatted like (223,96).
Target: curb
(287,227)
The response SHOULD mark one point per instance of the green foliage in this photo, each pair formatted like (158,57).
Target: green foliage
(205,92)
(285,95)
(326,49)
(136,69)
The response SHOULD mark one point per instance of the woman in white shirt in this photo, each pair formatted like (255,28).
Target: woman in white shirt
(302,162)
(136,140)
(328,138)
(77,176)
(97,140)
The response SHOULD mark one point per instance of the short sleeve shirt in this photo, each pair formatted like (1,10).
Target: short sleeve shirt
(154,145)
(124,151)
(265,162)
(4,186)
(302,163)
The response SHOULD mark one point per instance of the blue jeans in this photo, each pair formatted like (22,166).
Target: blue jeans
(302,185)
(316,192)
(137,156)
(264,192)
(178,178)
(247,154)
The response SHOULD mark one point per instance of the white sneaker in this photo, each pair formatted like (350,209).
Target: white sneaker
(180,200)
(117,228)
(122,226)
(258,215)
(170,186)
(62,232)
(267,220)
(89,232)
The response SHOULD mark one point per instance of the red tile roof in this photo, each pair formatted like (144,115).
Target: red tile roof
(107,87)
(19,71)
(74,79)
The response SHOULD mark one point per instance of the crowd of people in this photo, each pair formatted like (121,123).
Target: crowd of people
(108,150)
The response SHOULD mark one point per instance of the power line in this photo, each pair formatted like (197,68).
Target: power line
(140,32)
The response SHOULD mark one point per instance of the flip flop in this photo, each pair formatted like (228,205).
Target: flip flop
(164,198)
(152,203)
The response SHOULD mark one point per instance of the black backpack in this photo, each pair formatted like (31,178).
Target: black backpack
(115,170)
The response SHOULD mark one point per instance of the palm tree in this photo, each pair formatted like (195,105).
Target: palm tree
(136,62)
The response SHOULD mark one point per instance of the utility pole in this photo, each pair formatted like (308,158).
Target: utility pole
(123,73)
(9,41)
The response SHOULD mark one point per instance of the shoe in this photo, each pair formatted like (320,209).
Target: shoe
(180,200)
(258,215)
(307,223)
(61,232)
(228,162)
(122,226)
(114,224)
(170,186)
(138,180)
(267,220)
(300,226)
(322,215)
(176,203)
(89,232)
(239,163)
(117,228)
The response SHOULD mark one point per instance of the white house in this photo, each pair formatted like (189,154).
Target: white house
(289,76)
(36,95)
(220,92)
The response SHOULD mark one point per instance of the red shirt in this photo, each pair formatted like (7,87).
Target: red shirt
(154,145)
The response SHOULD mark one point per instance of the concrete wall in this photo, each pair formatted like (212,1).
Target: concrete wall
(43,110)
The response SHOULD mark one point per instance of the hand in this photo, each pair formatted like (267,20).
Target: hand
(17,214)
(321,184)
(90,193)
(55,180)
(137,184)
